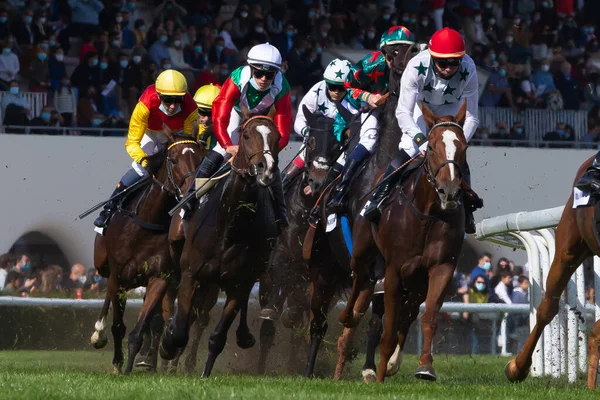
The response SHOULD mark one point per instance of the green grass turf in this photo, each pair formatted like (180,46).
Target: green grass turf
(87,375)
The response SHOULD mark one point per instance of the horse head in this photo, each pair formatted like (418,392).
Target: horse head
(258,147)
(397,57)
(176,162)
(446,155)
(322,149)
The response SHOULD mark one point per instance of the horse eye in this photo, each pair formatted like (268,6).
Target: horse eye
(246,137)
(430,148)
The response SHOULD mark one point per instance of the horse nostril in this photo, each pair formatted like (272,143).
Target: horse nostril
(441,191)
(260,165)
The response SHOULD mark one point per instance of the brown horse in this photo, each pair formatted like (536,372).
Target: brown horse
(134,250)
(229,240)
(575,241)
(420,235)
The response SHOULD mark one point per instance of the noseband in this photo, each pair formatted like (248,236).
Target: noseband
(251,170)
(431,175)
(176,191)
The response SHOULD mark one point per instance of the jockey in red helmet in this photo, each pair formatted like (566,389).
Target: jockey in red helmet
(443,78)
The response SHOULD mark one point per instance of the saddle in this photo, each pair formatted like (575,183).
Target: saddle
(203,185)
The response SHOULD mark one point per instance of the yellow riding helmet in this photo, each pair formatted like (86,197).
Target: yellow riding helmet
(205,96)
(171,83)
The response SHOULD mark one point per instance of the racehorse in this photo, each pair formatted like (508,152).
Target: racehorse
(420,235)
(133,250)
(324,279)
(287,274)
(229,240)
(575,241)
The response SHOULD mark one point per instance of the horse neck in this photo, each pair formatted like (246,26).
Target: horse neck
(423,196)
(389,134)
(155,202)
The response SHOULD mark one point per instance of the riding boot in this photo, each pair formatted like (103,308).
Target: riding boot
(211,163)
(591,179)
(290,173)
(333,173)
(372,210)
(279,203)
(109,207)
(336,204)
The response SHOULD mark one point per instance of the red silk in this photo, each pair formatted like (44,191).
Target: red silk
(283,118)
(221,109)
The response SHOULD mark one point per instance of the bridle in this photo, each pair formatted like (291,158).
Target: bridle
(432,174)
(251,170)
(175,189)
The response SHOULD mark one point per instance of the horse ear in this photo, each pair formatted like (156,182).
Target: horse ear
(308,115)
(461,114)
(272,112)
(427,115)
(168,132)
(245,112)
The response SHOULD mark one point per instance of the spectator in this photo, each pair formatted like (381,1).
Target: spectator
(133,81)
(97,283)
(436,12)
(139,32)
(592,136)
(190,36)
(259,34)
(64,101)
(543,80)
(371,40)
(225,33)
(501,290)
(56,67)
(519,323)
(475,33)
(86,74)
(176,55)
(569,88)
(478,294)
(159,49)
(481,269)
(44,121)
(87,114)
(218,54)
(497,90)
(77,279)
(194,56)
(501,265)
(559,134)
(50,276)
(85,15)
(15,109)
(14,281)
(22,29)
(240,26)
(285,42)
(40,73)
(38,27)
(9,66)
(172,11)
(87,46)
(4,268)
(4,24)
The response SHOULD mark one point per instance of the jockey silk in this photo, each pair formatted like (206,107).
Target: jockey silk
(368,75)
(148,118)
(443,97)
(236,89)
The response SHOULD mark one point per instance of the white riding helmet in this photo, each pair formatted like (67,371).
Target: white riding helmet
(265,57)
(337,71)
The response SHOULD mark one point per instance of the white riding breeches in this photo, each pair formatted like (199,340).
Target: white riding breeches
(151,141)
(368,133)
(235,120)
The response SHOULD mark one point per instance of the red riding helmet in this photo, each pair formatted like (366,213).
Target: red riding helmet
(447,43)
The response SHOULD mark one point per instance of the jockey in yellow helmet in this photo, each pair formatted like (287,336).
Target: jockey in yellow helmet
(204,98)
(165,102)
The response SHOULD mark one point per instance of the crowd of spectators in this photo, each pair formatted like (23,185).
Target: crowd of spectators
(94,58)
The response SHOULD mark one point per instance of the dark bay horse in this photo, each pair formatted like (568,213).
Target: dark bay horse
(420,235)
(287,275)
(229,240)
(575,241)
(330,249)
(134,250)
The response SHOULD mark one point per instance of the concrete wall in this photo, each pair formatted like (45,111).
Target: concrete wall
(49,181)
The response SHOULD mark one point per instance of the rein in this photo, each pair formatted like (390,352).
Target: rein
(251,171)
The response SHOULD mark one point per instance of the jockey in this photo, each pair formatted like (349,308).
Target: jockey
(259,86)
(442,78)
(591,179)
(165,102)
(324,98)
(204,98)
(367,80)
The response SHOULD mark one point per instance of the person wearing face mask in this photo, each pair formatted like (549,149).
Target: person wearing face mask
(202,130)
(285,41)
(22,29)
(325,98)
(544,81)
(259,86)
(240,25)
(443,77)
(475,32)
(38,27)
(64,101)
(140,31)
(160,49)
(15,109)
(194,55)
(85,16)
(5,28)
(218,54)
(9,66)
(166,102)
(260,33)
(371,40)
(497,89)
(483,268)
(177,58)
(478,294)
(44,120)
(39,80)
(56,67)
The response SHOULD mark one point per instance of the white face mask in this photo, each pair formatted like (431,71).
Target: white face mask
(259,29)
(137,59)
(371,35)
(177,43)
(545,68)
(509,39)
(478,18)
(82,279)
(60,57)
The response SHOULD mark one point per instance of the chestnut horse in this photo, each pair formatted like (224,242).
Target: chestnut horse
(420,235)
(134,250)
(575,241)
(228,241)
(287,275)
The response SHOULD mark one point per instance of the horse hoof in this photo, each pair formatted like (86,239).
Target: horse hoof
(513,373)
(369,375)
(291,318)
(117,369)
(269,314)
(246,341)
(167,354)
(393,364)
(426,373)
(143,362)
(99,342)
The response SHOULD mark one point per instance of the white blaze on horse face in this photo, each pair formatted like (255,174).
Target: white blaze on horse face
(265,131)
(448,137)
(188,149)
(320,163)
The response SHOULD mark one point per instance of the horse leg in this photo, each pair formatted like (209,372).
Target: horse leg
(154,294)
(218,338)
(439,279)
(168,309)
(343,348)
(267,337)
(244,339)
(321,293)
(148,354)
(99,339)
(593,355)
(369,370)
(362,290)
(389,338)
(175,336)
(571,250)
(203,306)
(119,300)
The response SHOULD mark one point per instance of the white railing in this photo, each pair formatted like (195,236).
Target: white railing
(562,349)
